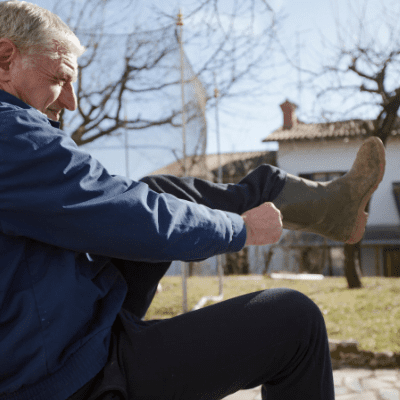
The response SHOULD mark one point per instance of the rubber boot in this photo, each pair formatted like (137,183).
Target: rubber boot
(334,209)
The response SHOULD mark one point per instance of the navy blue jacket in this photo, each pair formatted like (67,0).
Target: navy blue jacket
(62,218)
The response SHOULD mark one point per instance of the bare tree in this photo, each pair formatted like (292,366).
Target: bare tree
(369,68)
(138,65)
(365,72)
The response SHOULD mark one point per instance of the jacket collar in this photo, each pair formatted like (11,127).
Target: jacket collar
(6,97)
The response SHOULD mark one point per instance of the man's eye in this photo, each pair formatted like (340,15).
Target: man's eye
(61,81)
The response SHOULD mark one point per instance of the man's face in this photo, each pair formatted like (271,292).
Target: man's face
(46,86)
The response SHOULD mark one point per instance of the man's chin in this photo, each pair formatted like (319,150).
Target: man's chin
(55,116)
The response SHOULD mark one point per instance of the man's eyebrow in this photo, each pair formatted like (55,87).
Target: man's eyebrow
(73,77)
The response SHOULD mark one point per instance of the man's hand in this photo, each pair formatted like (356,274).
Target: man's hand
(263,225)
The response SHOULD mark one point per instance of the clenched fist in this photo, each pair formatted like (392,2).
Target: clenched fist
(263,225)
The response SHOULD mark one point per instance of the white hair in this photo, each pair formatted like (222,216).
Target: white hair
(35,30)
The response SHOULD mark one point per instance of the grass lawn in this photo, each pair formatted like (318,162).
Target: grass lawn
(370,315)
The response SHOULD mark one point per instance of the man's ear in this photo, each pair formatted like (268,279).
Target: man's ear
(8,54)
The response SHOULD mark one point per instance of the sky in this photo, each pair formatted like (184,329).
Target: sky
(244,124)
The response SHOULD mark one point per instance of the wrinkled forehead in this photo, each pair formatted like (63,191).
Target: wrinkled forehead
(69,64)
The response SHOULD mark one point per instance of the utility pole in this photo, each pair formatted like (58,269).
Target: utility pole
(184,266)
(220,296)
(219,257)
(126,145)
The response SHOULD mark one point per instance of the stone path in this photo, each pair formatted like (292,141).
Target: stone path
(350,384)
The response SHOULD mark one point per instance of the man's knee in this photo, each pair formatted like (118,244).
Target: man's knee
(298,304)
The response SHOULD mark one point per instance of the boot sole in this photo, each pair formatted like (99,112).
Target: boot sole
(362,216)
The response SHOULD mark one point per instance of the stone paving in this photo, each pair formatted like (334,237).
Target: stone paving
(350,384)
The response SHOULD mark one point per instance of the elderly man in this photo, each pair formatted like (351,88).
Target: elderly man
(82,253)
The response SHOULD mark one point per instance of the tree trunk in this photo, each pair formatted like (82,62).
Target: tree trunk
(350,270)
(237,263)
(268,259)
(351,253)
(191,268)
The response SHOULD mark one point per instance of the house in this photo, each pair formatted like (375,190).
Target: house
(325,151)
(321,152)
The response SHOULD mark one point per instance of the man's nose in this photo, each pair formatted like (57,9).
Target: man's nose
(68,98)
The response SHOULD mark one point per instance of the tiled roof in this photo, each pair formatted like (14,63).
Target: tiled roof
(355,128)
(211,163)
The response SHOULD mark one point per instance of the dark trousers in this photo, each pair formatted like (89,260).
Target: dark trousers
(275,338)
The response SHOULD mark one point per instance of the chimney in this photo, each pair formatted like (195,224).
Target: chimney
(289,114)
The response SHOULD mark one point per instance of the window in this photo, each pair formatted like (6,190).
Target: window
(396,194)
(391,261)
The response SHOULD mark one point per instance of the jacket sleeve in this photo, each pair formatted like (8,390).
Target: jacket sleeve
(56,193)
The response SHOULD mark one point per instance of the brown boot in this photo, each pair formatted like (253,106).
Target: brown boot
(335,209)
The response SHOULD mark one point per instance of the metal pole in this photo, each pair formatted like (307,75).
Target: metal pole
(220,297)
(216,95)
(180,24)
(184,266)
(126,146)
(219,257)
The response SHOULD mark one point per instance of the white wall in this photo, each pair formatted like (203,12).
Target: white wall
(308,157)
(383,206)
